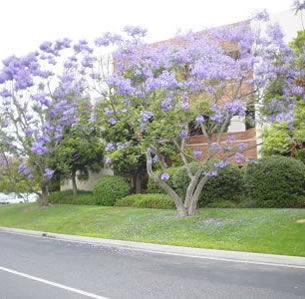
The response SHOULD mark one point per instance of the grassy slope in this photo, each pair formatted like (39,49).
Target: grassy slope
(258,230)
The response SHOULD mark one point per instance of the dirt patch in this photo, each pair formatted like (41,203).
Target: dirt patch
(301,221)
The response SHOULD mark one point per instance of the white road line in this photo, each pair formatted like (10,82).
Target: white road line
(54,284)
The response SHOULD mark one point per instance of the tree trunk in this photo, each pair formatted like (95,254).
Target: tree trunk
(44,195)
(194,200)
(137,179)
(74,185)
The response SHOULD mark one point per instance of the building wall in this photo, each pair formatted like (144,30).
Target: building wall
(247,137)
(86,185)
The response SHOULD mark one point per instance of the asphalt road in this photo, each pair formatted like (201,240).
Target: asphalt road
(33,268)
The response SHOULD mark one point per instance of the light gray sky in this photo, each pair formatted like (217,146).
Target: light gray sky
(26,23)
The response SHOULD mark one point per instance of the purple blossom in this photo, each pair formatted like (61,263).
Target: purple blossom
(123,86)
(236,107)
(156,158)
(107,39)
(48,173)
(135,31)
(21,167)
(95,76)
(42,100)
(199,119)
(164,176)
(183,134)
(262,16)
(29,131)
(146,115)
(112,121)
(47,127)
(108,160)
(25,170)
(166,104)
(109,147)
(185,105)
(28,117)
(46,47)
(108,111)
(239,158)
(241,147)
(210,173)
(221,164)
(215,147)
(38,149)
(5,93)
(87,62)
(217,116)
(197,153)
(92,118)
(297,90)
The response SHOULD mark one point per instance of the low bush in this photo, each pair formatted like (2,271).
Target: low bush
(108,189)
(67,197)
(226,186)
(275,182)
(155,201)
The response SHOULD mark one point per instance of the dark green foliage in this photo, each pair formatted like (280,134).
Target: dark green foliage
(275,181)
(108,189)
(152,187)
(66,197)
(226,186)
(223,204)
(154,201)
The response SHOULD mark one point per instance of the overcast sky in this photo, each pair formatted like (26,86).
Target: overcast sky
(26,23)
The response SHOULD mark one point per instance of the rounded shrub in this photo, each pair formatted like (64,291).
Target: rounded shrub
(226,186)
(108,189)
(154,201)
(275,181)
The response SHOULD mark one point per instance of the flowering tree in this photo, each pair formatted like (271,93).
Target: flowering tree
(288,137)
(205,78)
(80,149)
(36,107)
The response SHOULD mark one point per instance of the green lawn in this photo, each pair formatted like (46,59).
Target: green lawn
(257,230)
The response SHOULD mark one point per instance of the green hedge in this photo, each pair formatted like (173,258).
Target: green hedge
(275,182)
(155,201)
(66,197)
(226,186)
(108,189)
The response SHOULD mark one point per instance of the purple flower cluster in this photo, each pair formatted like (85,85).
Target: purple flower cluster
(146,115)
(39,148)
(25,170)
(164,176)
(48,173)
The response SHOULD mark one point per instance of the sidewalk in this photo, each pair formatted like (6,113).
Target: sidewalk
(213,254)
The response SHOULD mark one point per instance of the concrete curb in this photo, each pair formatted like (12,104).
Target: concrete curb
(213,254)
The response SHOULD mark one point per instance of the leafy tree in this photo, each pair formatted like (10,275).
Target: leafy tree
(10,179)
(36,107)
(158,90)
(288,137)
(80,149)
